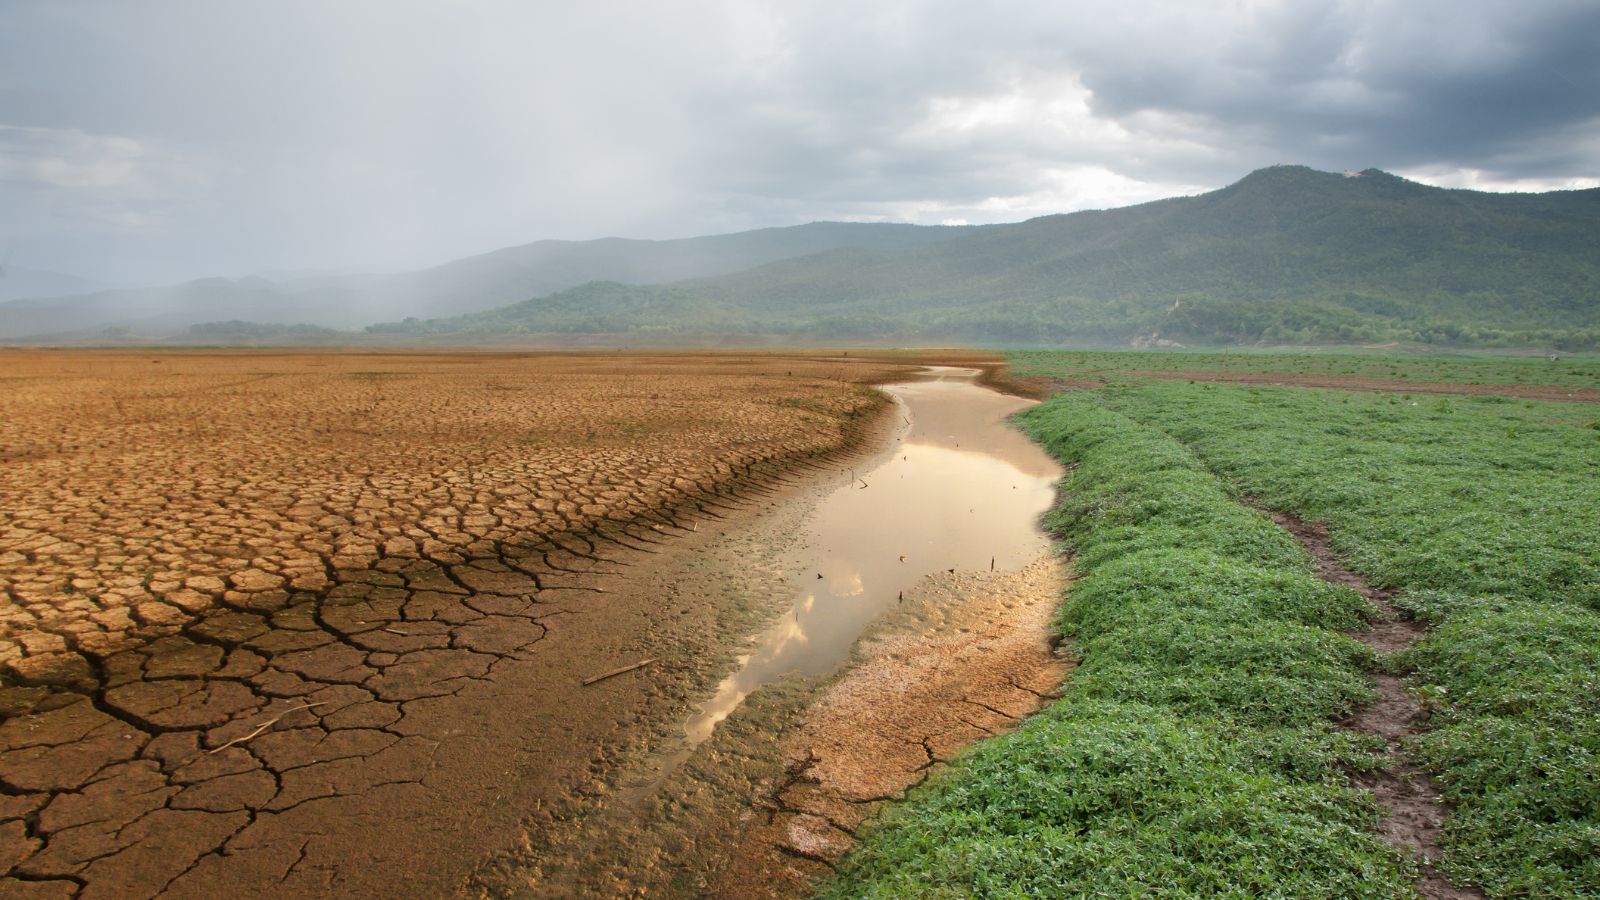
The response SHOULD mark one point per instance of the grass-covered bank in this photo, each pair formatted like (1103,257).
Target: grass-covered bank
(1577,372)
(1192,753)
(1485,513)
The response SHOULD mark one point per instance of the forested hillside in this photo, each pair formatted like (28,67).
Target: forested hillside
(1286,254)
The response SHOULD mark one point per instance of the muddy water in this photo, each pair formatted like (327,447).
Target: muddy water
(961,491)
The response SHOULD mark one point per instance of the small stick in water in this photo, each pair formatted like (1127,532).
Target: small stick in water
(615,672)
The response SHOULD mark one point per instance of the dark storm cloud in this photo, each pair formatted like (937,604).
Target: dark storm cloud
(171,138)
(1503,88)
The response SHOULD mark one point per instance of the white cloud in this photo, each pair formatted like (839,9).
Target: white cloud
(97,180)
(398,133)
(1479,180)
(72,159)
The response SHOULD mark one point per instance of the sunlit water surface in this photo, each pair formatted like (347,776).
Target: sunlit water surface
(963,490)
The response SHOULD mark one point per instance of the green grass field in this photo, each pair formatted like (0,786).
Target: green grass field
(1193,752)
(1567,372)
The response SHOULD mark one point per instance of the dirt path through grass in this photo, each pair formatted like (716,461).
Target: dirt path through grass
(1413,810)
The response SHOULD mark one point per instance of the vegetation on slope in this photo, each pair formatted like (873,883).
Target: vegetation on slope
(600,307)
(236,330)
(1192,753)
(1286,255)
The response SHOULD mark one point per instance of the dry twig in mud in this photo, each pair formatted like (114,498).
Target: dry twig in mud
(263,727)
(622,671)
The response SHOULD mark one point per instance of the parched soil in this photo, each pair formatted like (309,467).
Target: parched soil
(1413,810)
(768,804)
(316,623)
(976,661)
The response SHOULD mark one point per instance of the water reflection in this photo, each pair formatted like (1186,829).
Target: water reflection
(962,491)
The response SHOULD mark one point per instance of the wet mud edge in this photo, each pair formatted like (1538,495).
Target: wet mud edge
(775,798)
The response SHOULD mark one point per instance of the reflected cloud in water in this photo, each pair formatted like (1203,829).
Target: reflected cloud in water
(962,490)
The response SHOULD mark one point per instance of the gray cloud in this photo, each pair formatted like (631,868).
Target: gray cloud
(174,138)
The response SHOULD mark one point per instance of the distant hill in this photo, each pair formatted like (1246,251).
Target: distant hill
(1287,254)
(464,286)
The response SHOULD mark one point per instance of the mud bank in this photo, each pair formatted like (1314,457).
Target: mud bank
(910,597)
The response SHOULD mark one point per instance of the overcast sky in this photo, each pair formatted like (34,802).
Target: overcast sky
(145,141)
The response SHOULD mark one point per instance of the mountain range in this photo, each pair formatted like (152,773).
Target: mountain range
(1285,255)
(464,286)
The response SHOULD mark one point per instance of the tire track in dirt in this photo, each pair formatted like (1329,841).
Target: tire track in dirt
(1413,810)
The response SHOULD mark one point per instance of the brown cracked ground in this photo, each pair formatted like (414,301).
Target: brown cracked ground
(300,624)
(769,804)
(1413,811)
(976,661)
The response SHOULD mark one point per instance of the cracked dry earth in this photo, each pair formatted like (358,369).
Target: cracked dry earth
(975,663)
(775,798)
(300,624)
(772,800)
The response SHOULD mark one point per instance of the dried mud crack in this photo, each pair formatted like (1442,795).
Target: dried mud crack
(913,662)
(777,796)
(1413,809)
(980,662)
(311,630)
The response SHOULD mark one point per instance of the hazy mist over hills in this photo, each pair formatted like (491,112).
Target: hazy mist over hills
(17,282)
(463,286)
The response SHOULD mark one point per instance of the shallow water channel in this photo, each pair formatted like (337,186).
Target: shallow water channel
(962,490)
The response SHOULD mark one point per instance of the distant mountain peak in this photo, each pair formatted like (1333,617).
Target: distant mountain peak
(1284,181)
(1283,172)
